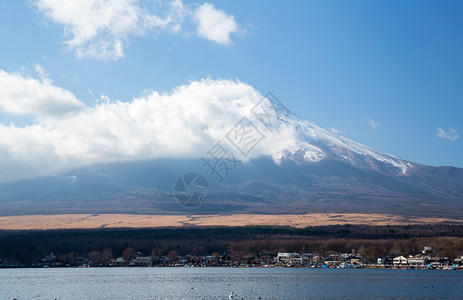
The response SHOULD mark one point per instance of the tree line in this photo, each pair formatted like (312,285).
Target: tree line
(248,241)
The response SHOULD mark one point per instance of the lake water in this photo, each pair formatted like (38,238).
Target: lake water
(218,283)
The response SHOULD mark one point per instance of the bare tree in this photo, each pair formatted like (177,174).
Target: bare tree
(128,253)
(106,256)
(172,255)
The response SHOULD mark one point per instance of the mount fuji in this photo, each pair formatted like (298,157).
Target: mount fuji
(321,172)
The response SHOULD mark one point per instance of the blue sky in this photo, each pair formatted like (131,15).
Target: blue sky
(387,74)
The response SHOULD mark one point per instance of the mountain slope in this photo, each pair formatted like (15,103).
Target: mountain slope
(324,173)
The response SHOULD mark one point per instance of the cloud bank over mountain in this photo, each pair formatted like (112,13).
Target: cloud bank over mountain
(183,123)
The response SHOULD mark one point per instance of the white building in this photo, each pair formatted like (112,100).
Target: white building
(458,261)
(418,260)
(288,258)
(143,260)
(400,260)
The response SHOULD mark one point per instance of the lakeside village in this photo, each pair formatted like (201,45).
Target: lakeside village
(422,260)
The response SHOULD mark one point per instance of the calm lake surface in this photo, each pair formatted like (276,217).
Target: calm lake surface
(218,283)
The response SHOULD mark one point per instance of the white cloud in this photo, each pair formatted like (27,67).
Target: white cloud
(335,131)
(451,134)
(173,17)
(27,96)
(214,24)
(184,123)
(41,71)
(373,123)
(101,29)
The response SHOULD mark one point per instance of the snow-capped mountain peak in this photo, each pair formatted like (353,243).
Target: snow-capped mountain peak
(316,144)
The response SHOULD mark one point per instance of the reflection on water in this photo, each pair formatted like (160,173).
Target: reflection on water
(218,283)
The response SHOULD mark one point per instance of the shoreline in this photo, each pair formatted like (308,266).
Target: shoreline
(449,268)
